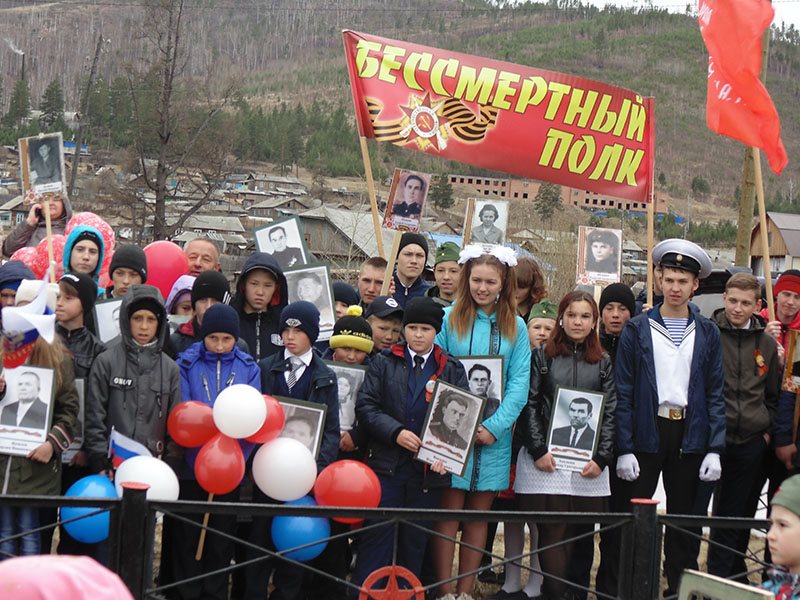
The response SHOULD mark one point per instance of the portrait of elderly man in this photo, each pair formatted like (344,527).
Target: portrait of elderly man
(450,412)
(28,410)
(487,232)
(578,434)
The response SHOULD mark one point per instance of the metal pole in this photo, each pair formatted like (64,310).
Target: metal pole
(133,566)
(640,558)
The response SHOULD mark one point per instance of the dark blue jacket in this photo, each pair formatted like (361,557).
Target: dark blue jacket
(637,392)
(205,374)
(403,294)
(381,405)
(323,391)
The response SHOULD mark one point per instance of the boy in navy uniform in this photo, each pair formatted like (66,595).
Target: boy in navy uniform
(670,407)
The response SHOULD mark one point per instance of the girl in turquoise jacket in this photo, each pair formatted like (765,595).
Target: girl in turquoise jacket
(483,321)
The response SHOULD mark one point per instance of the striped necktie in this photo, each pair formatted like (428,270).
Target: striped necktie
(291,379)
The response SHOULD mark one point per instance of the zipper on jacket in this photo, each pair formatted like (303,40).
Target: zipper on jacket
(258,336)
(219,368)
(476,469)
(205,387)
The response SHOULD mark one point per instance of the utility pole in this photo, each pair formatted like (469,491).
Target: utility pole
(76,157)
(747,198)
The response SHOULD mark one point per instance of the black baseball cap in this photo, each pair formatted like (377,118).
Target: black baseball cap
(384,306)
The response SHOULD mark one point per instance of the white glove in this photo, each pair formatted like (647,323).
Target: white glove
(711,469)
(627,467)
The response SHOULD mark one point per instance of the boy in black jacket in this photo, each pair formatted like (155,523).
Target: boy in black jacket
(298,373)
(391,408)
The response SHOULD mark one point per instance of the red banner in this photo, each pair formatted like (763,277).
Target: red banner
(504,117)
(738,104)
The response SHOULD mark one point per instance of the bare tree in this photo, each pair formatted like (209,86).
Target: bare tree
(179,121)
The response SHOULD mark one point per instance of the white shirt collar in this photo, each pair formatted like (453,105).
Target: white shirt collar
(424,356)
(305,357)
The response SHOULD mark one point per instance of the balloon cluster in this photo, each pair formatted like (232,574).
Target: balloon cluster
(165,263)
(283,468)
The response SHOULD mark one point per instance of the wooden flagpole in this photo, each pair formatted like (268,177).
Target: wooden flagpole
(387,280)
(651,220)
(762,227)
(51,269)
(373,200)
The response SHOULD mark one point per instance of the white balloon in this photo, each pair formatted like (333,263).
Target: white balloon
(156,473)
(284,469)
(239,411)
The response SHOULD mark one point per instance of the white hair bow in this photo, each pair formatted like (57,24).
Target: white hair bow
(505,255)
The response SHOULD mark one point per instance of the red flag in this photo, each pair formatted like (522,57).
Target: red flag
(496,115)
(738,104)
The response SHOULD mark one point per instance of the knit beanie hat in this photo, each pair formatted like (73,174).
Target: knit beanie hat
(12,273)
(84,286)
(211,284)
(220,318)
(91,234)
(788,494)
(447,252)
(544,309)
(304,316)
(344,292)
(426,310)
(413,238)
(151,304)
(618,292)
(788,281)
(129,256)
(352,331)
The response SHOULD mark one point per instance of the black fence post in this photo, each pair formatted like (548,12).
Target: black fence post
(640,553)
(133,538)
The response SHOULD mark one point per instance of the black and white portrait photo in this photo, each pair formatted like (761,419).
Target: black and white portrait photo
(106,314)
(312,284)
(573,427)
(450,426)
(485,377)
(348,381)
(283,240)
(406,200)
(489,222)
(599,255)
(26,409)
(42,162)
(304,422)
(77,437)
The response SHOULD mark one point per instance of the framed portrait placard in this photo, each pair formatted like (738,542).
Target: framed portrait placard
(572,437)
(106,316)
(41,163)
(406,200)
(488,222)
(77,435)
(312,283)
(284,240)
(599,255)
(26,410)
(450,425)
(485,377)
(791,372)
(348,380)
(305,422)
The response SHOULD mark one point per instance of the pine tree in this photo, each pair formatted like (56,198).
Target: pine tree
(548,201)
(20,105)
(441,192)
(52,107)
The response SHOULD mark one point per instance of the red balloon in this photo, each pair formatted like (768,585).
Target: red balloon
(348,483)
(30,257)
(191,424)
(43,258)
(219,467)
(165,263)
(273,424)
(103,281)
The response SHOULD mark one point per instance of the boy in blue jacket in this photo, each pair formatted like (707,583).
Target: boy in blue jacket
(207,368)
(391,408)
(296,372)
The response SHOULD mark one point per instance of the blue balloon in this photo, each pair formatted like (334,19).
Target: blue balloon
(289,532)
(89,530)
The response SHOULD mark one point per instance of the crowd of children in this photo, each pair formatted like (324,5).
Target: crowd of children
(692,399)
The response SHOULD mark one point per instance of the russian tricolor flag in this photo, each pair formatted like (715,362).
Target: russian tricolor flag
(121,448)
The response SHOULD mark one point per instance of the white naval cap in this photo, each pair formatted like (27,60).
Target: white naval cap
(682,254)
